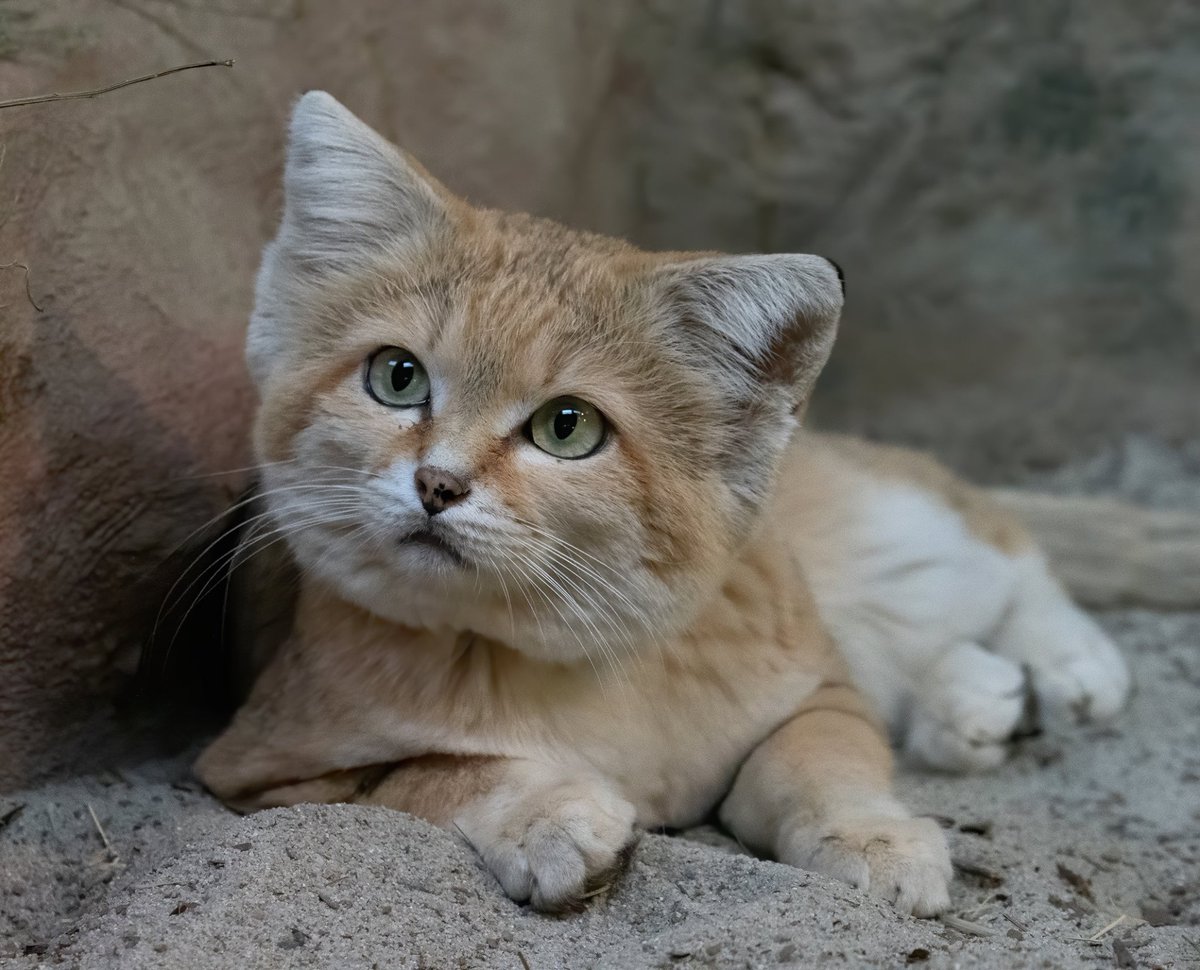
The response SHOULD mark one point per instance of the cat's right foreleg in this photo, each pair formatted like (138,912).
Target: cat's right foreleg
(550,835)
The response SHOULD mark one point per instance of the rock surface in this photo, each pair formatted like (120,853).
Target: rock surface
(1013,190)
(140,216)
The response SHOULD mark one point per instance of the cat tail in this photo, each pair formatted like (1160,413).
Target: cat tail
(1110,553)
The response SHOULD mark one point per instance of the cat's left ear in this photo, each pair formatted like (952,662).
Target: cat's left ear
(758,329)
(763,324)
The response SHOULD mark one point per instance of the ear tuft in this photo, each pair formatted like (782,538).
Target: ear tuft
(347,189)
(774,316)
(759,328)
(349,197)
(841,275)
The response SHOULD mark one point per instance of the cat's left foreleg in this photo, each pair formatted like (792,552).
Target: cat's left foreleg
(817,794)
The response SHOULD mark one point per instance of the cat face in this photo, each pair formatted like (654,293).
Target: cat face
(488,422)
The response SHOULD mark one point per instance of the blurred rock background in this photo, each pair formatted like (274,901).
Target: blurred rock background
(1012,188)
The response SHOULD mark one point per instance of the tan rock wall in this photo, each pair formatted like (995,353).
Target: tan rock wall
(141,216)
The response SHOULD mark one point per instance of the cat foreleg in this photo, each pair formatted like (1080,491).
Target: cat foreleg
(817,794)
(551,835)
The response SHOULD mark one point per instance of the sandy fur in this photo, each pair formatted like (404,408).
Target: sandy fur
(665,733)
(942,604)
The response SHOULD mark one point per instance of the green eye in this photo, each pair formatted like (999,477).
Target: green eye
(396,378)
(567,428)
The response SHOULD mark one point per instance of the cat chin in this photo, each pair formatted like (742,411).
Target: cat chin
(424,588)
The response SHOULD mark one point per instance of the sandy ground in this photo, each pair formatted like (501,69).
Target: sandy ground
(1081,852)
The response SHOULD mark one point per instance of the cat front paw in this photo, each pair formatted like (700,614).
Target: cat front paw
(904,860)
(551,843)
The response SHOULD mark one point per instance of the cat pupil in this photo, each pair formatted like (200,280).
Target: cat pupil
(565,422)
(402,375)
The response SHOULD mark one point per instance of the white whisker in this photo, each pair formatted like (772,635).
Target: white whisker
(316,513)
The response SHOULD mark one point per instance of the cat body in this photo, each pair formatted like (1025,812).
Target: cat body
(569,567)
(358,708)
(942,603)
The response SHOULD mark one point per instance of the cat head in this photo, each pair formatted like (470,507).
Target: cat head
(478,420)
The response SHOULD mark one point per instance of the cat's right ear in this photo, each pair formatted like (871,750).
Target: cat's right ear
(348,191)
(350,197)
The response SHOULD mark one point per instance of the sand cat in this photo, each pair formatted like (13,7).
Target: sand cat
(571,569)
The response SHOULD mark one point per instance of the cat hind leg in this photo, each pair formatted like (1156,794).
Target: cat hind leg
(966,710)
(1079,676)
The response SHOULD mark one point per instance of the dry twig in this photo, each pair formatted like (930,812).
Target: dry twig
(1016,922)
(28,289)
(96,92)
(965,926)
(1095,937)
(112,856)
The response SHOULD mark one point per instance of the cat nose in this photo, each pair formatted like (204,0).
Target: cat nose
(438,489)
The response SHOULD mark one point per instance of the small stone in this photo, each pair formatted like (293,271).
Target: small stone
(1157,914)
(295,941)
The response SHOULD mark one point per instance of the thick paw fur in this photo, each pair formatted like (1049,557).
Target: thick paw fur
(1087,682)
(968,706)
(966,710)
(552,845)
(1079,676)
(904,860)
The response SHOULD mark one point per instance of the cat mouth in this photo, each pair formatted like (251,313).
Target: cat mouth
(431,540)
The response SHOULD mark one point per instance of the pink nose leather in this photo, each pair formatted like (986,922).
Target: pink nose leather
(438,489)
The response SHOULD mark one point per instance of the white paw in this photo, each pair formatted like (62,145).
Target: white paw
(966,710)
(551,843)
(905,860)
(1088,683)
(1079,676)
